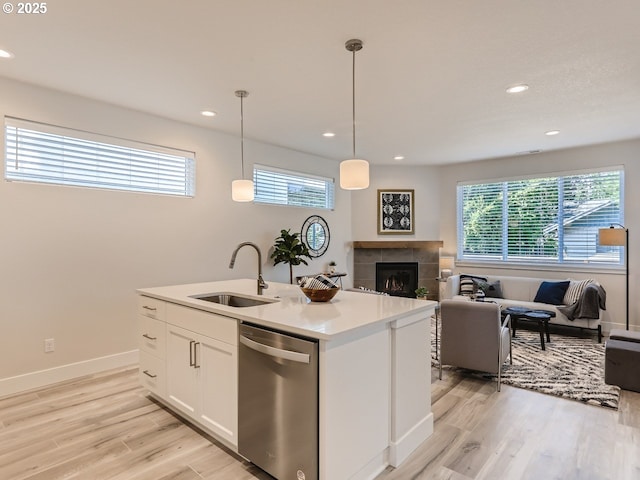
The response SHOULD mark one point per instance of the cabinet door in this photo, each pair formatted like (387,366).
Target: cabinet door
(219,387)
(182,376)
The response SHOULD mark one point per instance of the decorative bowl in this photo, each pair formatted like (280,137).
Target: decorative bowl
(320,294)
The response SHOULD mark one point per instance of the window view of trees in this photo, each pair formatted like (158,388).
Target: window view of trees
(552,219)
(482,219)
(532,206)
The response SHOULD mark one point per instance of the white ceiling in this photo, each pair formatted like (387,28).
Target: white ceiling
(430,80)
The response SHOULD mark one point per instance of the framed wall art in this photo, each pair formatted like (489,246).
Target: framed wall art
(395,212)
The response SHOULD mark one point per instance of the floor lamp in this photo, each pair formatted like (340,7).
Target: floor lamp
(618,237)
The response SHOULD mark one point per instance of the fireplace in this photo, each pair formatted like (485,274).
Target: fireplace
(399,279)
(424,252)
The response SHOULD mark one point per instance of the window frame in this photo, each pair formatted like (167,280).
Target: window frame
(504,259)
(78,158)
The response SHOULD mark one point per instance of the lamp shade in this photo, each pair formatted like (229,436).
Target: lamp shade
(354,174)
(242,191)
(446,263)
(616,237)
(446,267)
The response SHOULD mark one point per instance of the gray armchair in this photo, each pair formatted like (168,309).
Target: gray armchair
(473,336)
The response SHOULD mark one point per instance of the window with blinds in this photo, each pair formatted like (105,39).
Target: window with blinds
(553,219)
(36,152)
(283,187)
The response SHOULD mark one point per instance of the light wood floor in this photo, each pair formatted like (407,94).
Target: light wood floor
(104,427)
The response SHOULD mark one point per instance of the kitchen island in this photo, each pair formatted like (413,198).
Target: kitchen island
(374,366)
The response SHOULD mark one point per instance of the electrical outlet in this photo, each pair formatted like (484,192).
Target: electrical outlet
(49,345)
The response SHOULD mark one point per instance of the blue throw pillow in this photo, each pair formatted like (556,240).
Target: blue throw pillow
(551,292)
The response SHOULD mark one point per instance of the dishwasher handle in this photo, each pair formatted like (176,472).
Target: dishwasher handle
(275,352)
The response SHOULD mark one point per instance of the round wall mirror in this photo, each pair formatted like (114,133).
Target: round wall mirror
(315,234)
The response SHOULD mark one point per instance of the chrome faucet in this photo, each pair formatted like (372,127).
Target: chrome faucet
(261,283)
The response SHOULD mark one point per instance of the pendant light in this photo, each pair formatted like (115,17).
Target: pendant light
(354,173)
(242,190)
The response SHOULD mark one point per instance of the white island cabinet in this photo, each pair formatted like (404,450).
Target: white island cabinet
(374,366)
(202,369)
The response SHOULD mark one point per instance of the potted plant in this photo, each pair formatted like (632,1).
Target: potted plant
(332,266)
(289,249)
(421,293)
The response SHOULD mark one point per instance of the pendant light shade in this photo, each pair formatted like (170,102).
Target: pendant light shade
(354,173)
(242,190)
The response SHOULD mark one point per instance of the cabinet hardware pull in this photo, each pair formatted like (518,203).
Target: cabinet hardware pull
(147,336)
(275,352)
(153,309)
(192,362)
(195,355)
(146,372)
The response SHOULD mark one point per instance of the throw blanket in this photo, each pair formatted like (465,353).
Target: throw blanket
(593,299)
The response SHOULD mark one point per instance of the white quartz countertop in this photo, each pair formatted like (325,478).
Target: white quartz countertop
(293,312)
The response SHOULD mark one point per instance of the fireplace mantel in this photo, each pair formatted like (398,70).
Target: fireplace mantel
(399,244)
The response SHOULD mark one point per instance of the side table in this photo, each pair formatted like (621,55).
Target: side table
(541,317)
(543,324)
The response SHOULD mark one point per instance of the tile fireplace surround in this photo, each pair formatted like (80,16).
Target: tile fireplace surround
(426,253)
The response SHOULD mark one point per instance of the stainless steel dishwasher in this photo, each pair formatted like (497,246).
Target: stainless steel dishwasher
(278,402)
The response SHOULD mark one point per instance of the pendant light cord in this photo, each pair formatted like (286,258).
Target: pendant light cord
(353,46)
(242,134)
(353,85)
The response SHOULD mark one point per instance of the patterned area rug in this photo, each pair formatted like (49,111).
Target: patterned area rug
(570,367)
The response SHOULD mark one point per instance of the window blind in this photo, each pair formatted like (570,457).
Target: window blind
(36,152)
(553,219)
(284,187)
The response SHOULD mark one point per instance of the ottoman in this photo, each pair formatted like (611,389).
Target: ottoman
(622,360)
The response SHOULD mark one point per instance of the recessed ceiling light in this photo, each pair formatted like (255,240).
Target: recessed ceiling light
(518,88)
(208,113)
(328,134)
(6,54)
(552,132)
(398,157)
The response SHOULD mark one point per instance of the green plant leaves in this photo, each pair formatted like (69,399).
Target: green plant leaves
(289,249)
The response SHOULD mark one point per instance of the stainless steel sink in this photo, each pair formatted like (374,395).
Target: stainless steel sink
(233,299)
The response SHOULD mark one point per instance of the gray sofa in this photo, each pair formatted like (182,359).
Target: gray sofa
(521,292)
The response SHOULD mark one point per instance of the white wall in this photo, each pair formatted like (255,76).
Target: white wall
(619,153)
(423,180)
(71,258)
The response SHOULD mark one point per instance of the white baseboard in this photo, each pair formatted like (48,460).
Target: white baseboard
(403,447)
(373,468)
(42,378)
